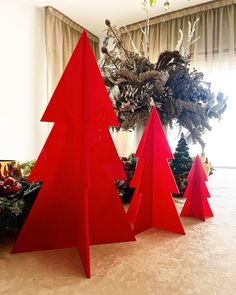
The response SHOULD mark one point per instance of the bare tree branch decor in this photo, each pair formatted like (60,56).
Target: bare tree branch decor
(179,93)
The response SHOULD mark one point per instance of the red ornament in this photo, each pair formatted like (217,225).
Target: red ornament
(197,193)
(9,181)
(152,204)
(7,189)
(15,188)
(86,212)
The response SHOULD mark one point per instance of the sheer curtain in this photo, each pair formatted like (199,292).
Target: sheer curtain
(214,54)
(216,29)
(62,35)
(221,141)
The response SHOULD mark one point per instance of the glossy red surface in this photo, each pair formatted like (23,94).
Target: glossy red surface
(78,206)
(152,204)
(197,193)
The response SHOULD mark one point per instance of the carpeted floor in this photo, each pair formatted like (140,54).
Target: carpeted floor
(158,263)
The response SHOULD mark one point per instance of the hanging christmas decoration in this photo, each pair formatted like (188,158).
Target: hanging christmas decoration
(167,5)
(152,2)
(134,83)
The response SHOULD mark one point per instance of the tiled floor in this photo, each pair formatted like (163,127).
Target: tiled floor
(158,263)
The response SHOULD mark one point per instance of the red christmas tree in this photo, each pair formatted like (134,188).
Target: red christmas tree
(78,206)
(197,193)
(152,204)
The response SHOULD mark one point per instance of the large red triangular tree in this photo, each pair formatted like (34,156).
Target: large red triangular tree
(78,204)
(152,204)
(197,193)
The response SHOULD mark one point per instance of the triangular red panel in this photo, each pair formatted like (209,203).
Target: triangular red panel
(78,204)
(201,171)
(152,204)
(197,193)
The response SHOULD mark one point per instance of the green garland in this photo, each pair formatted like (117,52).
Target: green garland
(16,196)
(15,208)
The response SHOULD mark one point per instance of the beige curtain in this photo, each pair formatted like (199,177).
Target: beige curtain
(216,47)
(62,35)
(215,50)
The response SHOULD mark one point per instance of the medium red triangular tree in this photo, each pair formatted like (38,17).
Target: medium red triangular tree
(152,204)
(77,206)
(197,193)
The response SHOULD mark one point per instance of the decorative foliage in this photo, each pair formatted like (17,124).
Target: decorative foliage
(123,186)
(8,180)
(16,199)
(27,167)
(180,94)
(181,164)
(14,209)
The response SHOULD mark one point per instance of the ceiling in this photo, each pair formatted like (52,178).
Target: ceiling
(91,14)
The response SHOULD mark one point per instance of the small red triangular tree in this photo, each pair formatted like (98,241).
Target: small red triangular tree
(152,204)
(77,206)
(197,193)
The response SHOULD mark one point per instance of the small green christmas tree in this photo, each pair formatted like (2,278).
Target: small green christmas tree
(181,164)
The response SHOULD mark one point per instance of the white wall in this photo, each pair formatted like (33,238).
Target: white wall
(22,79)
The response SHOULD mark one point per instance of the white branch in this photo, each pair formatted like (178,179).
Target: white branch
(194,24)
(195,40)
(189,31)
(180,41)
(132,41)
(141,29)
